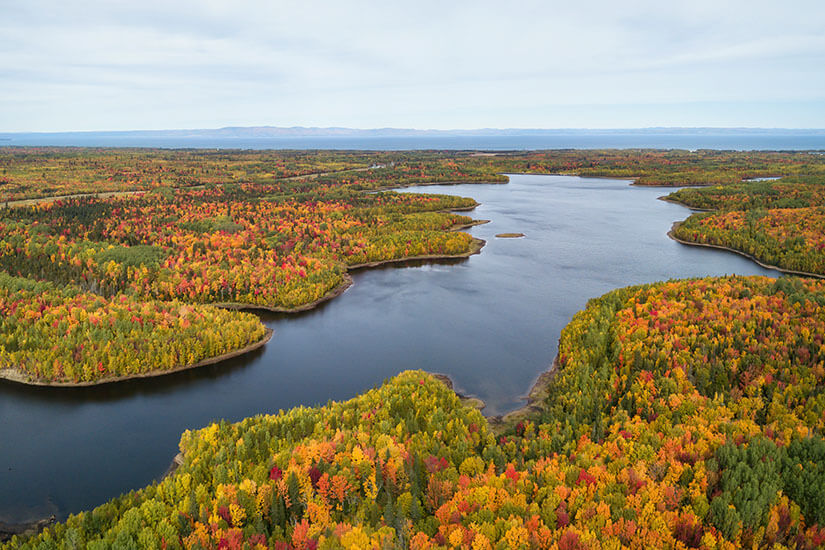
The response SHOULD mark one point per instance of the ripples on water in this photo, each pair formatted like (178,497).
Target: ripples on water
(491,322)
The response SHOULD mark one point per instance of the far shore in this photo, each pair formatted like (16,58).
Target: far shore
(18,203)
(18,376)
(431,183)
(676,225)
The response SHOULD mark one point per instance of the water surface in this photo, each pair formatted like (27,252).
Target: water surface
(743,140)
(491,322)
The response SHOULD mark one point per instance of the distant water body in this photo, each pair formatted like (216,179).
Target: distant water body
(796,140)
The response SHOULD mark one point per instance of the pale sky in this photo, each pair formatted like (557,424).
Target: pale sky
(164,64)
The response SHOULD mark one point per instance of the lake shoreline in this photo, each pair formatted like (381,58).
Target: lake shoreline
(535,396)
(26,529)
(476,247)
(676,225)
(16,376)
(664,198)
(13,375)
(444,183)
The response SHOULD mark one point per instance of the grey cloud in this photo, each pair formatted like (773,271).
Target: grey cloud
(342,63)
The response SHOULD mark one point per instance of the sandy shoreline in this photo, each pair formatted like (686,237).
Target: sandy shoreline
(14,375)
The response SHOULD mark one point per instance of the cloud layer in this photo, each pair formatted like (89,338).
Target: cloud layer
(196,64)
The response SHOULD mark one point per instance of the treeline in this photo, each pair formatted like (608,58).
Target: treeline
(779,222)
(684,414)
(27,172)
(789,192)
(62,335)
(659,167)
(792,239)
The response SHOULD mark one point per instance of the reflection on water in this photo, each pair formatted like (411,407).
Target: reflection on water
(491,322)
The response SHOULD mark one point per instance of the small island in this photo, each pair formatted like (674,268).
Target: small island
(509,235)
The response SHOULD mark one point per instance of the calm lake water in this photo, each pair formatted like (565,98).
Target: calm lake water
(491,322)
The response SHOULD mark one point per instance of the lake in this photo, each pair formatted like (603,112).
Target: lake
(491,322)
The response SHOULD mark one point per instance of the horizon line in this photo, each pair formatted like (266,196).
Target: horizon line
(396,129)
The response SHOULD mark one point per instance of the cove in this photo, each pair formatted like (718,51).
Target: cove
(491,322)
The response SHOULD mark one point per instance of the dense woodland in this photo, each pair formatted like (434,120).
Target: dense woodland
(249,245)
(279,244)
(787,192)
(28,172)
(684,414)
(792,239)
(779,222)
(60,335)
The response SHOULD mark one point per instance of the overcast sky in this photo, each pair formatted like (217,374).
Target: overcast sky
(147,64)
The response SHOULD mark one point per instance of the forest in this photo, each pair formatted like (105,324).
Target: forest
(684,414)
(62,335)
(248,246)
(778,222)
(786,192)
(31,172)
(133,273)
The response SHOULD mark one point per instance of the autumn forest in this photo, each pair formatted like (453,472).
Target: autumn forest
(680,414)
